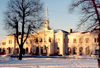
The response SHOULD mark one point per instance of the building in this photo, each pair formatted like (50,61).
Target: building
(44,42)
(83,43)
(54,42)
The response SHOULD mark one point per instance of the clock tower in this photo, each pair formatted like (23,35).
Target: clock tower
(46,25)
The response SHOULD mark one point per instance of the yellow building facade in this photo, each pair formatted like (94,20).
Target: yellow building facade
(83,43)
(44,42)
(54,42)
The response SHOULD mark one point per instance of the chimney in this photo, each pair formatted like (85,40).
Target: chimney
(70,30)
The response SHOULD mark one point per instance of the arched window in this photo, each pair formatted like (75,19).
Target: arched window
(27,50)
(44,47)
(69,51)
(75,50)
(9,50)
(36,39)
(87,50)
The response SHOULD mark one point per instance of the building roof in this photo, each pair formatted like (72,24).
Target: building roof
(60,31)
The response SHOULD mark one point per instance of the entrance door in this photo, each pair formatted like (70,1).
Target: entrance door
(9,50)
(26,50)
(75,50)
(37,50)
(41,50)
(81,50)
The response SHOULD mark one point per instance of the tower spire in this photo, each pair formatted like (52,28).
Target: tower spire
(46,12)
(46,23)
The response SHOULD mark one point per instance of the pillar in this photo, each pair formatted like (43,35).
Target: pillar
(72,51)
(12,49)
(84,51)
(78,53)
(6,51)
(39,50)
(48,51)
(29,50)
(94,48)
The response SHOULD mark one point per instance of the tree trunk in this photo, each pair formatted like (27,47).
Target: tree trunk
(21,50)
(98,62)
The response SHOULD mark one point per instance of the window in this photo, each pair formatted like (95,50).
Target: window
(74,40)
(95,40)
(44,47)
(26,42)
(87,40)
(41,40)
(3,43)
(10,41)
(49,39)
(80,40)
(36,40)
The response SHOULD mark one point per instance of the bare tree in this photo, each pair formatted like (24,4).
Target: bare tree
(91,15)
(23,16)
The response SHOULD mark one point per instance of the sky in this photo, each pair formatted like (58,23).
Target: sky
(58,14)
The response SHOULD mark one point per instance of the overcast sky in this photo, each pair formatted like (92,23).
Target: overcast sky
(59,17)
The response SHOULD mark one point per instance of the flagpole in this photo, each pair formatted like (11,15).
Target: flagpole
(46,12)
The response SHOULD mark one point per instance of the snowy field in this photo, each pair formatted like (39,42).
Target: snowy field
(87,62)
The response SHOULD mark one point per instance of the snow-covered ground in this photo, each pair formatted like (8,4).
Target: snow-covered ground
(75,62)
